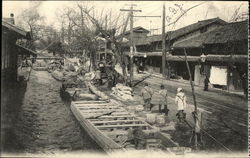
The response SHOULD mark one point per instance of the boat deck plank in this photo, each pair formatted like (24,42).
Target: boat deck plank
(121,126)
(115,121)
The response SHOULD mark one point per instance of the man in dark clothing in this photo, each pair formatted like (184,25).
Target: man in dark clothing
(245,84)
(206,81)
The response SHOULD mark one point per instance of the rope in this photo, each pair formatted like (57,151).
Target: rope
(211,135)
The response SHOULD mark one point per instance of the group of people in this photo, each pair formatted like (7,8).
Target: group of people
(180,100)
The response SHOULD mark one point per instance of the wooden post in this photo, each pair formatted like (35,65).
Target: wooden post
(105,53)
(163,44)
(194,99)
(131,45)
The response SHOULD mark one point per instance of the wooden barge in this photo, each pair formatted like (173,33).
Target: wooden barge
(113,128)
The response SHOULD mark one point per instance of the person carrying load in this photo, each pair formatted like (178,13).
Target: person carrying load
(147,94)
(163,104)
(181,101)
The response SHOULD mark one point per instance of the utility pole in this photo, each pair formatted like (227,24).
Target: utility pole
(195,113)
(163,43)
(131,46)
(131,10)
(106,28)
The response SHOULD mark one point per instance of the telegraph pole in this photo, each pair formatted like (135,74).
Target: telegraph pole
(106,28)
(131,10)
(163,44)
(131,46)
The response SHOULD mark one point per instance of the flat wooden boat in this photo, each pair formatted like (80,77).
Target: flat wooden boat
(37,68)
(113,128)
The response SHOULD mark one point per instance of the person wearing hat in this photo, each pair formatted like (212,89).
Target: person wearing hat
(147,94)
(181,102)
(163,104)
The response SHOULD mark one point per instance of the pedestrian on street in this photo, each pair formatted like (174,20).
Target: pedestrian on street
(245,84)
(163,104)
(206,81)
(181,102)
(147,94)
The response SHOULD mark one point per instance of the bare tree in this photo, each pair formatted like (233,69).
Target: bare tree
(111,35)
(31,17)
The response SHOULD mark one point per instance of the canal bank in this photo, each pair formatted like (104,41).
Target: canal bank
(44,123)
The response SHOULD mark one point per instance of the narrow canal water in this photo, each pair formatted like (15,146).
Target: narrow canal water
(45,123)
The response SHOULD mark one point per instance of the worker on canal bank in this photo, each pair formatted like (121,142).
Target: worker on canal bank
(163,104)
(181,101)
(206,81)
(147,94)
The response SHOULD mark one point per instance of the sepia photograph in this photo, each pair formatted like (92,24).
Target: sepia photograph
(125,79)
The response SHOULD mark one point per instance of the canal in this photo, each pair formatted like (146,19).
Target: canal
(44,123)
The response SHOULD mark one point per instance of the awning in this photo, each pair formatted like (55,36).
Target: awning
(209,58)
(25,51)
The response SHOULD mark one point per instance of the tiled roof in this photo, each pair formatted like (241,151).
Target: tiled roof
(182,31)
(236,31)
(16,29)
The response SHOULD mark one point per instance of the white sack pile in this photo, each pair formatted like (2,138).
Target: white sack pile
(123,92)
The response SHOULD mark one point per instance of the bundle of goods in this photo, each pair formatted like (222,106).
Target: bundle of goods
(58,75)
(71,80)
(95,91)
(89,76)
(123,92)
(53,66)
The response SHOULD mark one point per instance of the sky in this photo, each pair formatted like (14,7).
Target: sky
(206,10)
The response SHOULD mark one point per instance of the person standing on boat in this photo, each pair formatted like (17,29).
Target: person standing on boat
(147,94)
(181,101)
(163,104)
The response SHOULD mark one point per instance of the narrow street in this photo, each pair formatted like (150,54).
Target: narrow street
(45,123)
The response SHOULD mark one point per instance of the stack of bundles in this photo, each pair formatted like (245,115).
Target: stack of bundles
(123,92)
(69,67)
(82,70)
(54,65)
(95,91)
(89,76)
(58,75)
(71,79)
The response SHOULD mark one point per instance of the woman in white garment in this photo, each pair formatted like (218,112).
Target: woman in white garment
(181,101)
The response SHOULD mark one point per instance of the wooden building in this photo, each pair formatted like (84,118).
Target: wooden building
(153,44)
(11,92)
(223,44)
(229,47)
